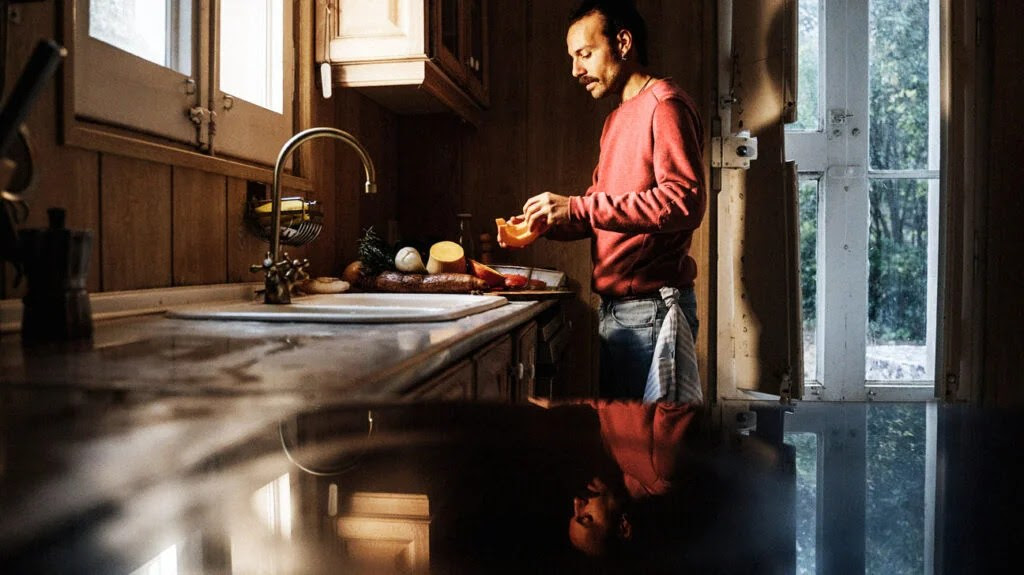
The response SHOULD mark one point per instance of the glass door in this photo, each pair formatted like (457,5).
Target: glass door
(866,142)
(448,38)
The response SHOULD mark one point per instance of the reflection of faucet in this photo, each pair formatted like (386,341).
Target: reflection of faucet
(280,273)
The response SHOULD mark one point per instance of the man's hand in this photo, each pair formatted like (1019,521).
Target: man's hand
(544,210)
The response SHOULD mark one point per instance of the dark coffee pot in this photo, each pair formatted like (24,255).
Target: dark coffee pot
(56,264)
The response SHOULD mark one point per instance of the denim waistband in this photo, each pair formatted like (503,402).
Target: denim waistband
(657,295)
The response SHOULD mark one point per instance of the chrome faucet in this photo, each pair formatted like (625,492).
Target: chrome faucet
(280,273)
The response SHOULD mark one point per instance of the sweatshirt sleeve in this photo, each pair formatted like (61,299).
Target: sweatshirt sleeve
(677,202)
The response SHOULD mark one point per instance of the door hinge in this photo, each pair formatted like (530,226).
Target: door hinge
(952,386)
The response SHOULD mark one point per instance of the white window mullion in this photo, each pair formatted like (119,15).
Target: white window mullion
(843,226)
(934,186)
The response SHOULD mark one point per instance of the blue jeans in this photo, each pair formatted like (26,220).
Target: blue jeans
(628,329)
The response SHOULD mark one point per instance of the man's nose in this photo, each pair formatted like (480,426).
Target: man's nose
(578,503)
(577,70)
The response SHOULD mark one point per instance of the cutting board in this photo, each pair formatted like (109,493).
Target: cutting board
(533,294)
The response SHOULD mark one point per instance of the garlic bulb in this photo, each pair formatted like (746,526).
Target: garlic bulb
(408,260)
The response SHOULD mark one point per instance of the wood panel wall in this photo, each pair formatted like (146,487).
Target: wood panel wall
(1003,247)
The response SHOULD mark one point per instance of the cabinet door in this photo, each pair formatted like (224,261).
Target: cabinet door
(454,383)
(447,38)
(474,55)
(525,365)
(492,371)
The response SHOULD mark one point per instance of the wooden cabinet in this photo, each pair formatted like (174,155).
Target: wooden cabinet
(454,383)
(502,371)
(493,371)
(526,362)
(411,56)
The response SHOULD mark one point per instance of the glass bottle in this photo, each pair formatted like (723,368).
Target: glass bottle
(466,235)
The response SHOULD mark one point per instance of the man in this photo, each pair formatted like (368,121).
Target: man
(646,199)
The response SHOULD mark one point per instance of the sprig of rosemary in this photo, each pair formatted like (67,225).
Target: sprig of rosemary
(375,253)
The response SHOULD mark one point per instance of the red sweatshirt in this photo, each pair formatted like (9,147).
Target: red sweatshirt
(647,197)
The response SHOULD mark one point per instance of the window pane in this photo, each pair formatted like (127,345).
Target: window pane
(252,51)
(895,497)
(158,30)
(808,68)
(809,273)
(899,84)
(806,445)
(898,281)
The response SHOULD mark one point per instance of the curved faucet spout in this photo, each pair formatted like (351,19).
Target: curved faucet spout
(281,294)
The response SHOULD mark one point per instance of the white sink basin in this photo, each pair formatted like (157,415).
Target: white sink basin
(350,308)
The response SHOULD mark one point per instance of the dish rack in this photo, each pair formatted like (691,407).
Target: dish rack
(302,220)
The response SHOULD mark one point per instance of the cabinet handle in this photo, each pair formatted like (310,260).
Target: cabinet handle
(520,371)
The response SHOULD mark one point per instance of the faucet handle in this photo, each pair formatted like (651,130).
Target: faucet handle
(295,270)
(267,265)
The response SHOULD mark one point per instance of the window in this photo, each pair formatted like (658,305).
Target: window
(215,75)
(867,143)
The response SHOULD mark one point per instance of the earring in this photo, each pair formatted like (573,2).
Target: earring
(622,56)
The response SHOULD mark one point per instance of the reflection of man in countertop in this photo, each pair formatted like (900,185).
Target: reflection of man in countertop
(646,200)
(645,444)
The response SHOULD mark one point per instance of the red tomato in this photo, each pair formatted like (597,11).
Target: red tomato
(515,281)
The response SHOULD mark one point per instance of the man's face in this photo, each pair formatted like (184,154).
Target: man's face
(595,62)
(596,518)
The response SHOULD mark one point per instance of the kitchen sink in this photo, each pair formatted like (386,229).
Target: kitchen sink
(350,308)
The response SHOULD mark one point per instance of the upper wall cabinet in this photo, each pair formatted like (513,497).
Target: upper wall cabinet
(411,56)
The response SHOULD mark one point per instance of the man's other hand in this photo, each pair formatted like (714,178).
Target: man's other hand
(544,210)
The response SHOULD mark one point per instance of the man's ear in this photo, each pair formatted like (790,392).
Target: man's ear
(624,43)
(625,528)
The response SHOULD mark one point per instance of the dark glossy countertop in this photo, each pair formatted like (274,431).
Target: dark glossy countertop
(265,448)
(156,354)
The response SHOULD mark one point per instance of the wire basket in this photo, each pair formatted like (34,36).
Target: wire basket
(301,220)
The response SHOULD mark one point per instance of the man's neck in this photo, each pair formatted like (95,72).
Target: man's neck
(638,81)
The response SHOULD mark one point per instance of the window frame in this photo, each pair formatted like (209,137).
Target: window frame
(105,137)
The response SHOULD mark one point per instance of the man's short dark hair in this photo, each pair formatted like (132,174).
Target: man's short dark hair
(618,15)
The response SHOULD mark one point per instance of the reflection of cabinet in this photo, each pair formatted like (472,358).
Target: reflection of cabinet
(386,532)
(412,56)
